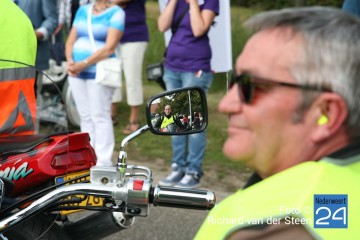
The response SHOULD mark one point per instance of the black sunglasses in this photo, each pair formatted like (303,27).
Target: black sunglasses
(247,85)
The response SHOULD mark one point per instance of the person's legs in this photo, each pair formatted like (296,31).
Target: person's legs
(204,81)
(172,81)
(93,103)
(116,98)
(100,102)
(132,55)
(197,142)
(134,114)
(117,95)
(179,153)
(81,98)
(114,113)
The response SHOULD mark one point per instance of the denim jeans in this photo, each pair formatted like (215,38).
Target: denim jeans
(188,150)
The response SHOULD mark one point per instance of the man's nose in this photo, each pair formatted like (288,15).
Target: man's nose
(231,102)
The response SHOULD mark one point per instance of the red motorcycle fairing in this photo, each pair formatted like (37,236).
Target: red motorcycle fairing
(31,160)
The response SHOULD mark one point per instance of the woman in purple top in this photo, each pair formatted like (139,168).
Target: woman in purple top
(132,50)
(187,63)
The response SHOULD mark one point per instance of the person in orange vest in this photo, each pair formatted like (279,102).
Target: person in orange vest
(17,72)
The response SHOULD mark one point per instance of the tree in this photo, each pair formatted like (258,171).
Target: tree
(300,3)
(180,104)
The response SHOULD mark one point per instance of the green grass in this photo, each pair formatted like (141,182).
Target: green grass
(151,147)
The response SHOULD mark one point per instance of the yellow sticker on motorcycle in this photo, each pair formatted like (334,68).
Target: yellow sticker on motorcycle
(88,201)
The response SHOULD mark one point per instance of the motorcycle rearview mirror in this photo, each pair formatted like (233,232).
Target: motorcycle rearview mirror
(178,112)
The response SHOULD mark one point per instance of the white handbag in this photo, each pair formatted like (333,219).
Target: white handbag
(108,71)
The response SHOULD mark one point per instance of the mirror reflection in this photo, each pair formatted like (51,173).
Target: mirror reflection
(178,112)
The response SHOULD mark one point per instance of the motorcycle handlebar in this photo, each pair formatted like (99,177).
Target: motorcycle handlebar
(182,198)
(158,196)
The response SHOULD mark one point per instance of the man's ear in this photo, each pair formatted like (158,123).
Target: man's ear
(330,114)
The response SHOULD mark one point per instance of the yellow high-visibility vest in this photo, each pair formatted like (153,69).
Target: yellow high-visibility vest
(167,121)
(290,194)
(17,75)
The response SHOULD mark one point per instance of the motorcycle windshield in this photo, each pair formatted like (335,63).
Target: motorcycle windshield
(34,139)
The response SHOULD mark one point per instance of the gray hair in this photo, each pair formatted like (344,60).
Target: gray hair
(330,55)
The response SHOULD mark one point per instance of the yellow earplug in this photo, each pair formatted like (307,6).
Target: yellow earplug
(323,120)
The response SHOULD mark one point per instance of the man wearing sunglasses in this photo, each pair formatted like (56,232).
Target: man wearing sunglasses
(294,118)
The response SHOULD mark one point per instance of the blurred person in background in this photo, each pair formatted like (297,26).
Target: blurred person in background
(44,18)
(66,11)
(352,7)
(133,45)
(187,63)
(168,122)
(93,100)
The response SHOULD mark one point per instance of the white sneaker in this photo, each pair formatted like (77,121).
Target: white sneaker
(172,179)
(189,181)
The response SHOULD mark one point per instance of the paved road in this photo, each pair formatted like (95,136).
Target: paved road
(165,223)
